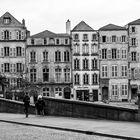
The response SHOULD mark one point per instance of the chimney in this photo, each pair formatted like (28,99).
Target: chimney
(68,27)
(23,22)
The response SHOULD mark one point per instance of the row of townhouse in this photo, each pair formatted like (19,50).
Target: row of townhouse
(82,64)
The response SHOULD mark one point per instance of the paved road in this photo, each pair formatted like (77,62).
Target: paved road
(101,127)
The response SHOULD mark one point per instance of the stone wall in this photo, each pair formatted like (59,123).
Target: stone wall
(70,108)
(12,106)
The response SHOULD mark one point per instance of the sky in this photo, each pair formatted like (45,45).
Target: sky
(52,15)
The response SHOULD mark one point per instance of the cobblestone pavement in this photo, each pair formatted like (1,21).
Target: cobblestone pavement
(19,132)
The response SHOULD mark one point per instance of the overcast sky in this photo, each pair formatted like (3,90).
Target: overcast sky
(51,15)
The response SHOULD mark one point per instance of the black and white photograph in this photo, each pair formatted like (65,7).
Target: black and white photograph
(70,70)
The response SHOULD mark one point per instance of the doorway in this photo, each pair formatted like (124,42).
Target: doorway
(133,93)
(104,93)
(67,93)
(95,95)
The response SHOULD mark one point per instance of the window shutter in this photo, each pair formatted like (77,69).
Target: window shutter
(100,39)
(129,57)
(2,52)
(11,68)
(118,54)
(14,67)
(109,54)
(22,35)
(117,39)
(23,52)
(130,42)
(2,67)
(14,51)
(2,35)
(17,35)
(107,39)
(22,67)
(100,55)
(138,57)
(136,42)
(11,51)
(10,35)
(130,29)
(120,39)
(129,73)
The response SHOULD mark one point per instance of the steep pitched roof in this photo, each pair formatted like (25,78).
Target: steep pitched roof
(82,26)
(110,27)
(135,22)
(13,20)
(47,33)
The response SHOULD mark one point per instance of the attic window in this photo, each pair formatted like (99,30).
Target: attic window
(6,20)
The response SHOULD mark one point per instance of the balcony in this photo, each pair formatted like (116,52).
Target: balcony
(85,54)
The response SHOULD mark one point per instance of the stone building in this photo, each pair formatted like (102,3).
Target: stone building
(48,57)
(134,57)
(85,63)
(113,55)
(12,50)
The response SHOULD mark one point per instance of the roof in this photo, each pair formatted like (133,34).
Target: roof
(135,22)
(14,22)
(82,26)
(111,27)
(48,33)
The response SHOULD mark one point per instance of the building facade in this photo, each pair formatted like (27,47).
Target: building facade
(13,36)
(134,57)
(113,55)
(85,63)
(48,57)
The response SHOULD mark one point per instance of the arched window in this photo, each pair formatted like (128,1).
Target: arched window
(85,64)
(94,64)
(66,56)
(76,64)
(85,79)
(94,79)
(76,37)
(77,79)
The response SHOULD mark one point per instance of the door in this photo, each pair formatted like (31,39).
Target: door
(67,93)
(95,95)
(104,93)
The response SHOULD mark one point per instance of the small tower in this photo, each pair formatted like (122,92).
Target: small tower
(68,27)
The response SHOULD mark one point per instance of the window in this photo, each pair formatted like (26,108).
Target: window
(6,20)
(114,90)
(58,74)
(133,56)
(94,79)
(6,51)
(57,56)
(114,71)
(94,48)
(66,41)
(6,67)
(33,56)
(32,41)
(94,64)
(76,49)
(85,79)
(123,38)
(114,53)
(85,49)
(45,75)
(103,39)
(33,75)
(124,71)
(76,37)
(124,53)
(104,71)
(124,90)
(77,79)
(94,37)
(133,41)
(19,35)
(57,41)
(19,80)
(76,64)
(133,29)
(85,37)
(67,74)
(18,51)
(46,91)
(104,53)
(45,56)
(7,35)
(85,64)
(66,56)
(113,38)
(45,41)
(19,67)
(58,92)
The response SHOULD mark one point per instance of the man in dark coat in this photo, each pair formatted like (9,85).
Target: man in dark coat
(40,104)
(26,101)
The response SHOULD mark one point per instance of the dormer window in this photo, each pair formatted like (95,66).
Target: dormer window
(6,20)
(133,29)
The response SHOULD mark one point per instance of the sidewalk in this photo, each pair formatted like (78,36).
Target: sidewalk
(118,129)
